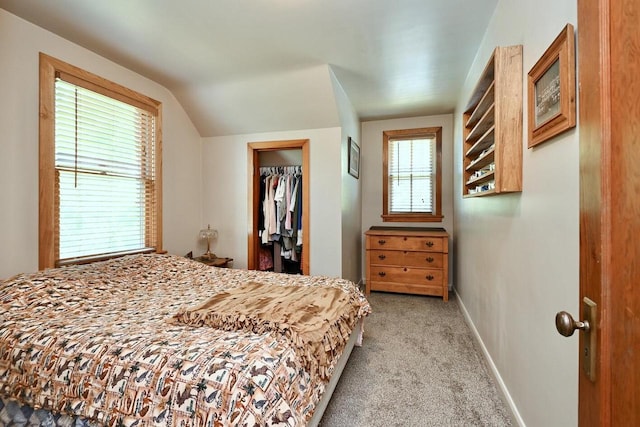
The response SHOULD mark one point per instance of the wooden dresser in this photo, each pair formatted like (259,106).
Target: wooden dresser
(408,260)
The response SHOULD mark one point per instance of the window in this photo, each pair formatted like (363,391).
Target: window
(412,186)
(100,187)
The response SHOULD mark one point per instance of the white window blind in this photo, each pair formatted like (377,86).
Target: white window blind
(105,174)
(411,174)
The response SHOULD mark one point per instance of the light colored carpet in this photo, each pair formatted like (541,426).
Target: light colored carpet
(419,366)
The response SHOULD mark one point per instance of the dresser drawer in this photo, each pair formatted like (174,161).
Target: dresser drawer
(406,258)
(412,275)
(409,243)
(408,288)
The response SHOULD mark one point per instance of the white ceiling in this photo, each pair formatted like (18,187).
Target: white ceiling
(241,66)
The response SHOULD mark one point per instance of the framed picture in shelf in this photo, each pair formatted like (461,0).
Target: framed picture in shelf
(354,158)
(552,90)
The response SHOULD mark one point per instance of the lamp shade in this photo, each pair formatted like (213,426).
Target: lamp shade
(208,233)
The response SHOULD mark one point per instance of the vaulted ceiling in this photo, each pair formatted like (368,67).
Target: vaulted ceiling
(243,66)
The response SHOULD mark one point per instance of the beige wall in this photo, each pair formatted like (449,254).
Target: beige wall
(517,255)
(334,199)
(226,205)
(371,162)
(20,43)
(351,197)
(193,197)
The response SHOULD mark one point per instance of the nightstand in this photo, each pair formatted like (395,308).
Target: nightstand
(215,262)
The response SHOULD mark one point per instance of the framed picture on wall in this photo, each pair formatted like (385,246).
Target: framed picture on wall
(354,158)
(552,90)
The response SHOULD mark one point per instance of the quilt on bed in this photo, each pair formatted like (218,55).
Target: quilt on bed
(96,342)
(317,324)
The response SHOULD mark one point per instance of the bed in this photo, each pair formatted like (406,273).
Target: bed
(134,341)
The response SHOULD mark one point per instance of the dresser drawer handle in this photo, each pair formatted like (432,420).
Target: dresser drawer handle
(429,259)
(430,277)
(382,242)
(429,243)
(382,256)
(382,274)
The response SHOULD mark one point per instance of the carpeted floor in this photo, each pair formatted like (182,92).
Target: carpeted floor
(418,366)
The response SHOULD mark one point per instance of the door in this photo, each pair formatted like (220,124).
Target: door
(609,120)
(253,151)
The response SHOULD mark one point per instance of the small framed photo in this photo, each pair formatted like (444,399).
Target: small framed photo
(552,90)
(354,158)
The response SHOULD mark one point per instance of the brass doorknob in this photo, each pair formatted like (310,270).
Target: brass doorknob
(565,324)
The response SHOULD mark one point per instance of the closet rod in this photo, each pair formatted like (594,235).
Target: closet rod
(274,170)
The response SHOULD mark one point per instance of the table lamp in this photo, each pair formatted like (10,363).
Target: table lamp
(209,234)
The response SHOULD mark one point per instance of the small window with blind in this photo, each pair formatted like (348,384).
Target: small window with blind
(100,186)
(412,183)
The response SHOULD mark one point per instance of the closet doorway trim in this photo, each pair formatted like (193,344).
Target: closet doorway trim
(253,153)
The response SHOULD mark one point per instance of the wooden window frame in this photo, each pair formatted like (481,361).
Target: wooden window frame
(435,216)
(49,68)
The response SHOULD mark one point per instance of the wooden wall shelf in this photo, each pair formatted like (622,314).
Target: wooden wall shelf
(492,133)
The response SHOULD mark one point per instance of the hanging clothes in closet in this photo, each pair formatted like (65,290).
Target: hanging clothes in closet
(280,218)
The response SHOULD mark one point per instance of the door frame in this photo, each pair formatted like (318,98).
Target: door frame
(253,154)
(609,207)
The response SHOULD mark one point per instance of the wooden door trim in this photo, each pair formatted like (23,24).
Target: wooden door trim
(621,162)
(253,152)
(594,133)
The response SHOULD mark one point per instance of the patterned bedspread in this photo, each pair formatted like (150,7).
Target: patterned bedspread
(95,342)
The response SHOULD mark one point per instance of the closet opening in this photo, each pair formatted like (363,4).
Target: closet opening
(274,161)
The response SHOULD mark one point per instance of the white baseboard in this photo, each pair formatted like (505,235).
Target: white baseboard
(515,414)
